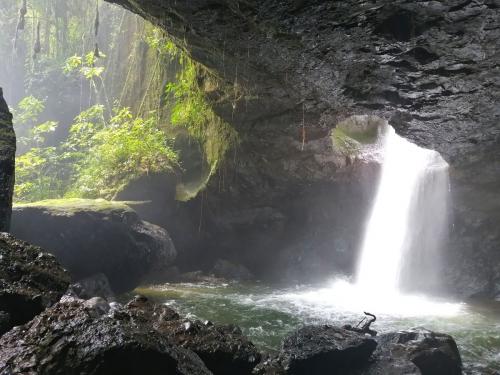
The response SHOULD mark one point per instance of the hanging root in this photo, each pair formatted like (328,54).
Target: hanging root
(37,48)
(22,16)
(96,51)
(21,23)
(96,30)
(96,21)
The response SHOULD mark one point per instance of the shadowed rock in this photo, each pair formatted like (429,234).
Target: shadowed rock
(89,237)
(88,337)
(223,348)
(430,352)
(30,281)
(7,164)
(325,350)
(94,337)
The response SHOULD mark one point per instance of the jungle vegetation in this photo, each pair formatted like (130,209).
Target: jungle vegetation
(105,94)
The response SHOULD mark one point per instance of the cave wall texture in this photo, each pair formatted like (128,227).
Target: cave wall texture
(7,161)
(431,68)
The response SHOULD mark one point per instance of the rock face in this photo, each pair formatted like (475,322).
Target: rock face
(300,68)
(30,281)
(333,350)
(223,349)
(230,271)
(416,351)
(77,337)
(92,337)
(91,237)
(7,164)
(325,350)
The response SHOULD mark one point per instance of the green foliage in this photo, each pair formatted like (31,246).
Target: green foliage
(103,149)
(157,40)
(28,110)
(39,175)
(192,111)
(86,65)
(346,145)
(26,115)
(98,159)
(120,152)
(40,131)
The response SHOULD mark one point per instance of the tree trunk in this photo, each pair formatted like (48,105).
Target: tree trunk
(7,164)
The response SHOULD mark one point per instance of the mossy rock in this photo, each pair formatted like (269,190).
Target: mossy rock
(73,205)
(350,135)
(90,237)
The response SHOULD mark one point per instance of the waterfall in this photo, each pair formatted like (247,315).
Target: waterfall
(408,219)
(400,255)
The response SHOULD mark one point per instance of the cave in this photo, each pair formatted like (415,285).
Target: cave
(267,164)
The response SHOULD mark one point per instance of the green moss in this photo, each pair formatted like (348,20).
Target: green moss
(72,205)
(192,111)
(365,137)
(350,135)
(346,145)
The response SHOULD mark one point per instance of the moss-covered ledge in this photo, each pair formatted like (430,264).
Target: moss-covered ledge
(7,164)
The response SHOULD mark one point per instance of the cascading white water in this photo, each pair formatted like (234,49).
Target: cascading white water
(402,242)
(408,216)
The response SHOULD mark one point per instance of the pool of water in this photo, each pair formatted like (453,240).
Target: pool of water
(266,314)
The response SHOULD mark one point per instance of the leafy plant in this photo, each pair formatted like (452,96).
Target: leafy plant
(123,150)
(192,111)
(28,110)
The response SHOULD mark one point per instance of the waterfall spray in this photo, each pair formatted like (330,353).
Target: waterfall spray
(408,218)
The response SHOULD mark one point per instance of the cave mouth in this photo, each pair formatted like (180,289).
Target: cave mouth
(406,229)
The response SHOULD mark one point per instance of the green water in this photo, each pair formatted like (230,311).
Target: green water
(266,314)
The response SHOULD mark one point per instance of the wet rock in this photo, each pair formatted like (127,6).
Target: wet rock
(416,351)
(93,286)
(223,348)
(231,271)
(7,162)
(89,237)
(325,350)
(30,281)
(78,337)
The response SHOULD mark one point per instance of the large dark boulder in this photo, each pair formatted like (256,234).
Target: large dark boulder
(91,336)
(89,237)
(325,350)
(415,351)
(7,164)
(223,348)
(30,281)
(76,337)
(332,350)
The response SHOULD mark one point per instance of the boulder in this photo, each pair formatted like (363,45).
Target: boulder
(325,350)
(415,351)
(90,237)
(7,162)
(89,337)
(223,348)
(30,281)
(231,271)
(78,336)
